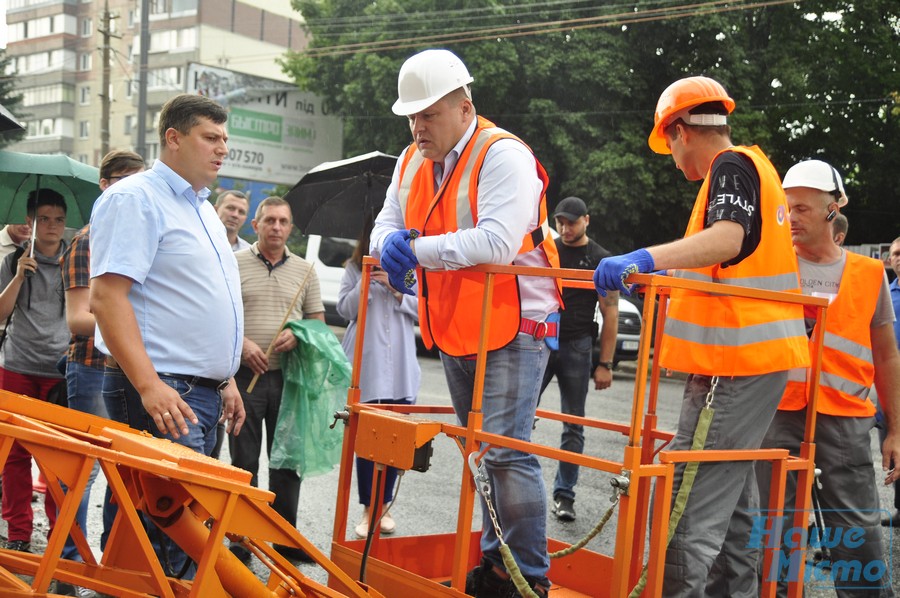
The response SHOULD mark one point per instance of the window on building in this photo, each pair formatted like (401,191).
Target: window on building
(129,123)
(165,78)
(131,18)
(87,27)
(84,61)
(47,127)
(48,94)
(84,94)
(186,39)
(84,129)
(151,152)
(158,7)
(183,5)
(129,88)
(83,158)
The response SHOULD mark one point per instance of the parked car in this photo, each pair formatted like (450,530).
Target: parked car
(629,333)
(328,255)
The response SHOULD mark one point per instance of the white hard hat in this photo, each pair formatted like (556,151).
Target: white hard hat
(427,77)
(816,174)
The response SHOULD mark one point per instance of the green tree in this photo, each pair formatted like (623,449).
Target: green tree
(835,64)
(8,97)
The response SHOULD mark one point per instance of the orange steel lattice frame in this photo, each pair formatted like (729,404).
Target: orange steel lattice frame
(415,566)
(196,500)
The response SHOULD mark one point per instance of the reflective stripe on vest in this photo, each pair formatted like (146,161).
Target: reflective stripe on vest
(848,370)
(734,337)
(711,334)
(778,282)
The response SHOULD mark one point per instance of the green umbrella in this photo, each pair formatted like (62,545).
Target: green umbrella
(21,174)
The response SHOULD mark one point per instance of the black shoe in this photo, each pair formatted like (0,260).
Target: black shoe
(18,545)
(484,581)
(241,553)
(892,521)
(293,554)
(564,508)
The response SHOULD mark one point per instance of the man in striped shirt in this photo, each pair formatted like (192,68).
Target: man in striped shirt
(270,277)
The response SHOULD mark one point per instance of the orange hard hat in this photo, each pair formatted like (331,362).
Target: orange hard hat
(681,96)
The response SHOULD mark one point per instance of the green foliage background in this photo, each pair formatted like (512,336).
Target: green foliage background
(812,78)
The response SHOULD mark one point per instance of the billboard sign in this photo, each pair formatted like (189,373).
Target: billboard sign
(276,133)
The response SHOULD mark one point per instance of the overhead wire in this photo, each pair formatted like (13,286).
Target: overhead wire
(558,26)
(453,17)
(450,17)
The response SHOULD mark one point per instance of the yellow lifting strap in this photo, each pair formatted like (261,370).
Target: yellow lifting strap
(687,481)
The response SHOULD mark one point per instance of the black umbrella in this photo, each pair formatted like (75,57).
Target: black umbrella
(334,198)
(8,121)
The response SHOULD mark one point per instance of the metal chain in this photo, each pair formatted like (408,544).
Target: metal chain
(483,486)
(714,382)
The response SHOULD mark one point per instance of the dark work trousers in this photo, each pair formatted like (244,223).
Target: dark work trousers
(262,407)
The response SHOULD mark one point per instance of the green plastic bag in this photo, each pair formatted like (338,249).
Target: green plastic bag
(316,379)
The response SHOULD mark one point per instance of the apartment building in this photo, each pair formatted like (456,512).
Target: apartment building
(56,47)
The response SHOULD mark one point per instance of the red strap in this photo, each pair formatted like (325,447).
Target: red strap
(539,330)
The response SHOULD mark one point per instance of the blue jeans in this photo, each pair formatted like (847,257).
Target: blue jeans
(572,367)
(124,404)
(83,385)
(511,388)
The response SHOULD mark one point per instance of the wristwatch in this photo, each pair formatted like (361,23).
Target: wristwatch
(608,365)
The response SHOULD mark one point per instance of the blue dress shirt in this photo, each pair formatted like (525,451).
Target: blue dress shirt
(154,229)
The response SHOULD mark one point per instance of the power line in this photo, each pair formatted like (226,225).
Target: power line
(521,30)
(450,18)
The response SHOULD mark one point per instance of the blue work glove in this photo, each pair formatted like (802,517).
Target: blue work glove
(398,259)
(612,271)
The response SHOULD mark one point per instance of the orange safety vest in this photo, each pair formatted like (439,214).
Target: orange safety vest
(847,368)
(717,335)
(451,302)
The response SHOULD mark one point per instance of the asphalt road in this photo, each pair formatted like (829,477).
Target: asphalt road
(426,502)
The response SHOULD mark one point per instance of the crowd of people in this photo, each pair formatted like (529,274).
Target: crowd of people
(171,323)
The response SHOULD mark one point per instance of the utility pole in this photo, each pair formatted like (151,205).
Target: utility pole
(141,146)
(106,31)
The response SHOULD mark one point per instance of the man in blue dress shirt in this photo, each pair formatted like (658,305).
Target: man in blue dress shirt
(165,288)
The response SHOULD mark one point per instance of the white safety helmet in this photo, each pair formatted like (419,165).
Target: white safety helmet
(816,174)
(427,77)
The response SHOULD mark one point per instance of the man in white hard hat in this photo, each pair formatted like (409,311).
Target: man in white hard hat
(736,350)
(859,351)
(475,195)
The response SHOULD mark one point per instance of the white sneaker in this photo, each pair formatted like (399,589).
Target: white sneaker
(388,525)
(362,529)
(84,592)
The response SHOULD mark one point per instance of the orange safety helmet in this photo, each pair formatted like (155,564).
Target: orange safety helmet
(681,96)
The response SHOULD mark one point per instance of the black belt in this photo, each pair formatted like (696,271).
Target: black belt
(197,380)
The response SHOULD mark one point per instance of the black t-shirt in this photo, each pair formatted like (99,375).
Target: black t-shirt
(577,318)
(734,190)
